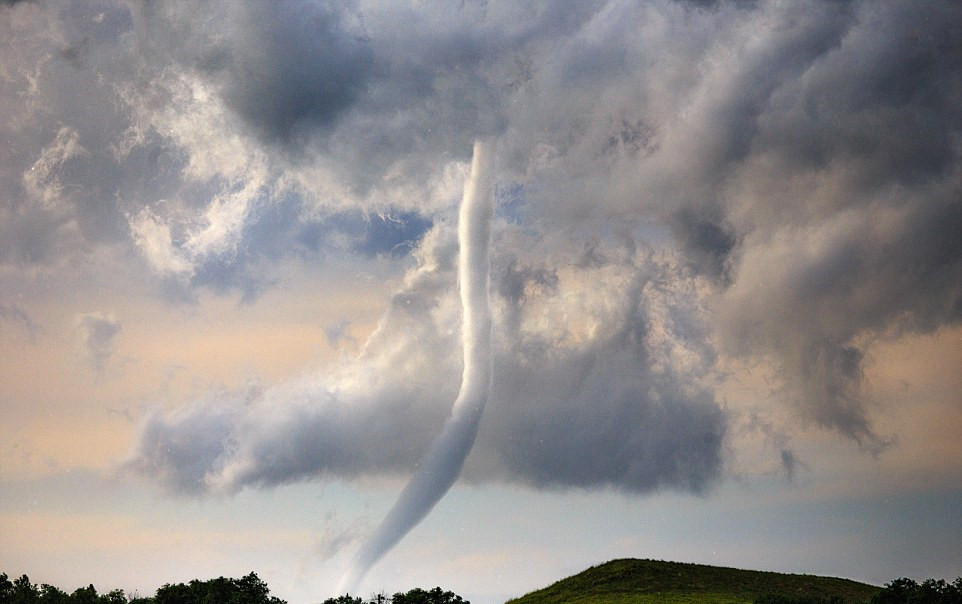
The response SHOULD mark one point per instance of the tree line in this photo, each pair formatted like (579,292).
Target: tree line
(249,589)
(930,591)
(414,596)
(899,591)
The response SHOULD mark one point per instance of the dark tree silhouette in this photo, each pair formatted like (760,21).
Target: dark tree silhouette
(246,590)
(414,596)
(345,599)
(420,596)
(930,591)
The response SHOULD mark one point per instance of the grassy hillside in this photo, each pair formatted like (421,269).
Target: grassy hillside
(650,581)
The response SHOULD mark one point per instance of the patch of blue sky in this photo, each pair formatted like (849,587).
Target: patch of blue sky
(510,201)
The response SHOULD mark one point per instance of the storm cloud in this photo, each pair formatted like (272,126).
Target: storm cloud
(613,392)
(681,185)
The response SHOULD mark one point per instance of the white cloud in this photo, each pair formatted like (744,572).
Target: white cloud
(42,181)
(153,238)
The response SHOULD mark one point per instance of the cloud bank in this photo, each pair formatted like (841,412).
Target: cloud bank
(607,392)
(681,185)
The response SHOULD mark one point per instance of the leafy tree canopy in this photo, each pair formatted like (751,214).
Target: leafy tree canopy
(345,599)
(930,591)
(249,589)
(414,596)
(420,596)
(899,591)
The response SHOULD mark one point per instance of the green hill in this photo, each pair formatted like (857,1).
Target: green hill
(649,581)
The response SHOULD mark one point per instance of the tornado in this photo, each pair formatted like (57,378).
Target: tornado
(442,464)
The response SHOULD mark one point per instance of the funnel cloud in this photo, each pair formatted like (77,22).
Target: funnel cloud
(441,465)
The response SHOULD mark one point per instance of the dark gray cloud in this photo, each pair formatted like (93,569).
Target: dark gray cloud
(789,463)
(707,242)
(298,65)
(602,417)
(852,233)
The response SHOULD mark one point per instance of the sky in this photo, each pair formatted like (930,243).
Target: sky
(725,288)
